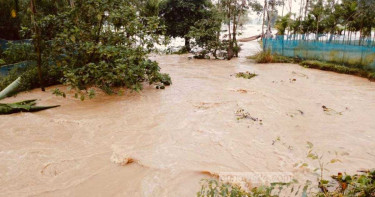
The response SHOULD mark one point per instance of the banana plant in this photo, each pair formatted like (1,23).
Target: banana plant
(11,88)
(23,106)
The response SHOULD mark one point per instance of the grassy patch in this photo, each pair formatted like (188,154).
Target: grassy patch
(246,75)
(338,68)
(214,188)
(267,57)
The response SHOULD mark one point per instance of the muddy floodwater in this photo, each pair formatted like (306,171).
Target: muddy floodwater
(163,142)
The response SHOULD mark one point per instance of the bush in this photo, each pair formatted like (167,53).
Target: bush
(360,185)
(263,57)
(30,78)
(213,188)
(81,52)
(339,68)
(268,57)
(94,56)
(18,52)
(342,185)
(246,75)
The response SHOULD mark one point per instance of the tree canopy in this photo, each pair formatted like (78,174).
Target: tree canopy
(180,15)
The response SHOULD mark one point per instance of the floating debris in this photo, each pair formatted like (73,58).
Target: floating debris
(330,111)
(241,114)
(23,106)
(246,75)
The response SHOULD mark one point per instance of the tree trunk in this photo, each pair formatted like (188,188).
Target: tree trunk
(187,44)
(269,31)
(306,7)
(37,43)
(230,43)
(264,16)
(317,28)
(71,2)
(234,33)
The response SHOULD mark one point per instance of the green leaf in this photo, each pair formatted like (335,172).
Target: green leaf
(310,145)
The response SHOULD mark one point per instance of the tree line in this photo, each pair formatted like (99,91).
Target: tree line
(333,17)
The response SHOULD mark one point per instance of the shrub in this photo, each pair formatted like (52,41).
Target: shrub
(18,52)
(29,77)
(214,188)
(95,56)
(91,48)
(246,75)
(339,68)
(360,185)
(268,57)
(263,57)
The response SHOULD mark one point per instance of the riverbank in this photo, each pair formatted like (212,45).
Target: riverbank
(189,131)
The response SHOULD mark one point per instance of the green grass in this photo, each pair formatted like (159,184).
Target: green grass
(267,57)
(338,68)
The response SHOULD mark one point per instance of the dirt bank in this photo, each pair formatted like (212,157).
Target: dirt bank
(175,136)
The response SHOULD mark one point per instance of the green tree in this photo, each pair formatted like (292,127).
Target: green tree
(206,33)
(283,23)
(180,15)
(233,12)
(106,46)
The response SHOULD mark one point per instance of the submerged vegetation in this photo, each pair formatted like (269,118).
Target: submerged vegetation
(357,71)
(105,46)
(268,57)
(214,188)
(343,185)
(246,75)
(340,185)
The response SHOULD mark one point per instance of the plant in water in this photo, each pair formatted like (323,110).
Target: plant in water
(246,75)
(263,57)
(242,114)
(341,185)
(359,185)
(107,46)
(23,106)
(214,188)
(58,92)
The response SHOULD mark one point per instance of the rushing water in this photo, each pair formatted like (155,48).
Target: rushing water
(173,138)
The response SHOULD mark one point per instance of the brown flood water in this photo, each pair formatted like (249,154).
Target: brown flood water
(180,135)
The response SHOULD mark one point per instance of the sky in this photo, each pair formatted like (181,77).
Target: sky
(290,5)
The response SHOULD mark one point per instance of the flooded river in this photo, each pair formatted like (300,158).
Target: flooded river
(163,142)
